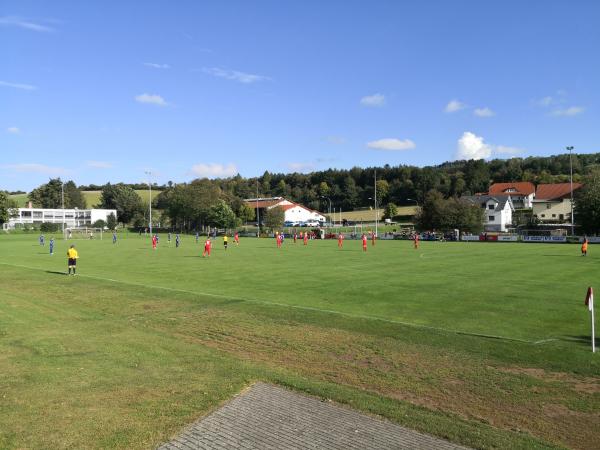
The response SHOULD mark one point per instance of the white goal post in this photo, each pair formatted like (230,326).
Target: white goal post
(83,233)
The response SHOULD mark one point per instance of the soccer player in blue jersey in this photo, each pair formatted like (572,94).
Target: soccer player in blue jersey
(51,246)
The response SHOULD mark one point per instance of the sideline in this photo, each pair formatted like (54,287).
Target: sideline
(300,307)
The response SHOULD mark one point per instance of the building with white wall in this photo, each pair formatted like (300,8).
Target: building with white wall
(521,193)
(72,218)
(498,211)
(294,212)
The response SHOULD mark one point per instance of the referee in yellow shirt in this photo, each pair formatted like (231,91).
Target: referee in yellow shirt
(72,255)
(225,239)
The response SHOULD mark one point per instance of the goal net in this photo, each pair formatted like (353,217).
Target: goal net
(83,233)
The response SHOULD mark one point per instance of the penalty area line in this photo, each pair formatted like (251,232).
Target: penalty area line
(299,307)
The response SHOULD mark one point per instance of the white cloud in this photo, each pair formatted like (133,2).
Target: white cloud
(504,150)
(375,100)
(27,87)
(545,101)
(570,111)
(235,75)
(335,140)
(152,99)
(471,146)
(13,130)
(391,144)
(35,168)
(214,170)
(24,23)
(484,112)
(99,164)
(157,66)
(454,105)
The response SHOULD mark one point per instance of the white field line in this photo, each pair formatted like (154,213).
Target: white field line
(300,307)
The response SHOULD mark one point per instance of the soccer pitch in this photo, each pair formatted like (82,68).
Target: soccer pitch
(467,341)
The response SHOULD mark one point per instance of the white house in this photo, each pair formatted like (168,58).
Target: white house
(521,193)
(498,211)
(73,218)
(294,212)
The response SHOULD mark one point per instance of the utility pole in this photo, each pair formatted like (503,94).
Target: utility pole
(150,202)
(570,148)
(375,199)
(62,196)
(257,212)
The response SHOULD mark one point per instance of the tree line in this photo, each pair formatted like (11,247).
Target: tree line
(204,202)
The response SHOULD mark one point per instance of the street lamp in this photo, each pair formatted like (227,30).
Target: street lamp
(147,172)
(570,148)
(62,196)
(329,210)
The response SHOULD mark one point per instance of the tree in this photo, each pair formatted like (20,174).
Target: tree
(99,223)
(587,204)
(390,211)
(8,207)
(221,215)
(246,213)
(274,218)
(122,198)
(73,196)
(50,195)
(438,213)
(383,188)
(111,221)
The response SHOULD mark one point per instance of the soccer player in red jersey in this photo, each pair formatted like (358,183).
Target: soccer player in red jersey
(340,240)
(206,251)
(373,236)
(364,242)
(416,241)
(295,237)
(236,238)
(278,238)
(306,238)
(154,242)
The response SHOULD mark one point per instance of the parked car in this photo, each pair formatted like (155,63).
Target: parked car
(311,223)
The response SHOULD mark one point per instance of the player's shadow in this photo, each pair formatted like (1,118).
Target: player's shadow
(564,256)
(55,272)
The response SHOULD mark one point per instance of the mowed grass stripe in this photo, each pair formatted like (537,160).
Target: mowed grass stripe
(308,308)
(517,291)
(129,365)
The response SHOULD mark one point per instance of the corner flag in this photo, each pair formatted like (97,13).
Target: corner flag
(589,302)
(589,299)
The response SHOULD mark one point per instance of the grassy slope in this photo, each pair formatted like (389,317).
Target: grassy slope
(368,215)
(77,347)
(91,197)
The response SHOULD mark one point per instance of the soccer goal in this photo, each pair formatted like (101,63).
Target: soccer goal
(83,233)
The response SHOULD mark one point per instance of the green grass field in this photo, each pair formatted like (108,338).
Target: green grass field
(91,197)
(483,344)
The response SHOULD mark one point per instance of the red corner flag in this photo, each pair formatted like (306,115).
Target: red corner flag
(589,299)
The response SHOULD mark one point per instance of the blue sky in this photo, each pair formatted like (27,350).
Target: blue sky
(102,91)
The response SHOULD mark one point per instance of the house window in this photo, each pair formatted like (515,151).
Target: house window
(553,215)
(490,218)
(561,217)
(548,206)
(490,206)
(543,215)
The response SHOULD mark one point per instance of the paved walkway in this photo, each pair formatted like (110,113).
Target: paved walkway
(270,417)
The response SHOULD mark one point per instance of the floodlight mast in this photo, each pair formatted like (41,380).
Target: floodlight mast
(62,196)
(257,212)
(150,202)
(570,148)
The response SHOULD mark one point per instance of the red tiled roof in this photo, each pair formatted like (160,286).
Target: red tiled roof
(262,203)
(555,191)
(521,188)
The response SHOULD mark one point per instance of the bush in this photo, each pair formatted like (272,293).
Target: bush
(99,224)
(49,227)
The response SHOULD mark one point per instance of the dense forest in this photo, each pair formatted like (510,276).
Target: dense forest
(401,185)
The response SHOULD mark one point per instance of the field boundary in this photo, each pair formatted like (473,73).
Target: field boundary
(300,307)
